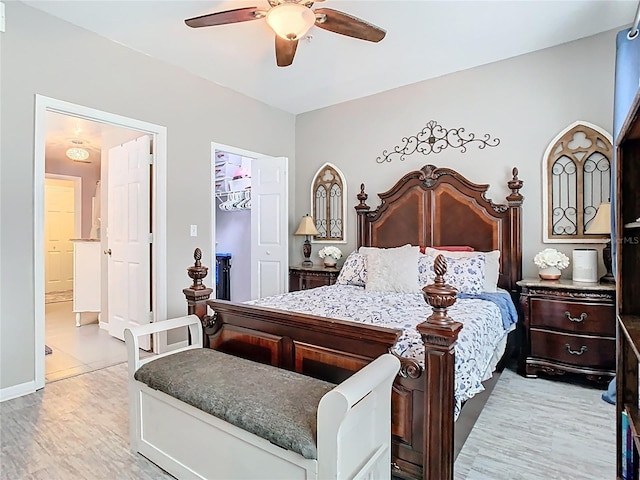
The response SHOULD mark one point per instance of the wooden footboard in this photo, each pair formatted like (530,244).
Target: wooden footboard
(330,349)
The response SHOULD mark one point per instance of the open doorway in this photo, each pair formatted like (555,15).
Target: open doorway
(77,141)
(76,340)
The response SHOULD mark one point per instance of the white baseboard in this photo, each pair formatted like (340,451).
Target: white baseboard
(103,325)
(17,391)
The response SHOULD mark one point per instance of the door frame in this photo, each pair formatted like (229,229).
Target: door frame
(158,225)
(243,153)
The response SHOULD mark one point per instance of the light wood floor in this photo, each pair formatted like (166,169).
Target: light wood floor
(530,429)
(77,350)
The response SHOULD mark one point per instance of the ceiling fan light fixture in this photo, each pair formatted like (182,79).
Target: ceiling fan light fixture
(77,154)
(290,21)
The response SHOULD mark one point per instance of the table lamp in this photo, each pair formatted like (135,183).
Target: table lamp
(306,228)
(601,225)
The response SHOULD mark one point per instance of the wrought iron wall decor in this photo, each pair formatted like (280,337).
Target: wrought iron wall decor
(576,180)
(434,138)
(327,200)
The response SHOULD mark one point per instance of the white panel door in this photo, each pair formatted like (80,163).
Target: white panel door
(59,229)
(269,232)
(128,237)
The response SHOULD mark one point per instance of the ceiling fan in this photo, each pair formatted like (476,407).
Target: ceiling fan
(291,20)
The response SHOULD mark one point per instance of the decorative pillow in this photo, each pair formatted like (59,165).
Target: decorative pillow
(353,271)
(392,269)
(465,274)
(492,265)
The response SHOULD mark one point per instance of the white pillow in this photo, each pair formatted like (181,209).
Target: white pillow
(491,268)
(392,269)
(465,274)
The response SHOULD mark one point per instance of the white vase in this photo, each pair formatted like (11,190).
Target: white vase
(330,262)
(550,273)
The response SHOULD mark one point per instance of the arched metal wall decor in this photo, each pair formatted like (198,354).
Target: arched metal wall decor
(576,179)
(328,190)
(433,139)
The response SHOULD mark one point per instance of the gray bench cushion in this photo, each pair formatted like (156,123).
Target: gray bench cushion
(275,404)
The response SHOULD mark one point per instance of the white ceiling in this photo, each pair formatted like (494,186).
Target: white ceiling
(425,39)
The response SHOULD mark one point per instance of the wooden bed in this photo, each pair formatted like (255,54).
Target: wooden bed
(427,207)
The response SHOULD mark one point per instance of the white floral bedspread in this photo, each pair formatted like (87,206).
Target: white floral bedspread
(478,339)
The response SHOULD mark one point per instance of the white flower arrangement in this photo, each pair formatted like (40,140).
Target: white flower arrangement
(334,252)
(550,257)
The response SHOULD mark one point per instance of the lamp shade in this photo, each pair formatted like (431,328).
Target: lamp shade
(306,227)
(290,20)
(601,223)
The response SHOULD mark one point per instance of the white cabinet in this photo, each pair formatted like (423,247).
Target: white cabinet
(86,277)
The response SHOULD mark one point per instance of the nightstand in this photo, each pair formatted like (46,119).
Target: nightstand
(303,278)
(568,327)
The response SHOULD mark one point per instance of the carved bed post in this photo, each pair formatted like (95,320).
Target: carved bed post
(514,200)
(439,334)
(198,294)
(361,210)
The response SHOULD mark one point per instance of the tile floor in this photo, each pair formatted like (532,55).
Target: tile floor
(77,350)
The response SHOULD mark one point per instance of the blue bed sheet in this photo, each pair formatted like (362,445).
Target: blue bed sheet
(504,302)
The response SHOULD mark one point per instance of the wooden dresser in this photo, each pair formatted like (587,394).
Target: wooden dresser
(568,327)
(303,278)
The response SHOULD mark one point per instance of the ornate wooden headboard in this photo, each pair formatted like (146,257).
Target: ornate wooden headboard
(438,206)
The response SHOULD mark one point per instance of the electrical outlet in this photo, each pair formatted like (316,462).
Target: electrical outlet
(194,230)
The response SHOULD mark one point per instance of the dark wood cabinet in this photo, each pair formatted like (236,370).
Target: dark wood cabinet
(568,327)
(303,278)
(627,266)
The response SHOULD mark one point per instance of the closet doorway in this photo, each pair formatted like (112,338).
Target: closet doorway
(250,224)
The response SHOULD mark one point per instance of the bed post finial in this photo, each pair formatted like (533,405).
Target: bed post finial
(197,272)
(197,294)
(439,334)
(439,295)
(362,197)
(515,184)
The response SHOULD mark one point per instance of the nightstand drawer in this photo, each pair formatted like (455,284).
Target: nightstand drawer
(598,319)
(582,350)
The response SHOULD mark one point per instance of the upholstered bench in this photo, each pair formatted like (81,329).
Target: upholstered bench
(200,413)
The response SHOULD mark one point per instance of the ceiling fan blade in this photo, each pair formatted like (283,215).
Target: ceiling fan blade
(285,51)
(222,18)
(345,24)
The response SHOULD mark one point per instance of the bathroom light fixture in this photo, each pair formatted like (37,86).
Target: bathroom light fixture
(77,153)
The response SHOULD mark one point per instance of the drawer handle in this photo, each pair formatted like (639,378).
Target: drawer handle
(576,319)
(576,352)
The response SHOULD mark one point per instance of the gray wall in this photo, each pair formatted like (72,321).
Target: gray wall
(524,101)
(41,54)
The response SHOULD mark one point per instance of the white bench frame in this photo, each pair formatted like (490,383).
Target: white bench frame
(353,439)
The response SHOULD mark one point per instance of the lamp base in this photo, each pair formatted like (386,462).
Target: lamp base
(608,278)
(606,257)
(306,251)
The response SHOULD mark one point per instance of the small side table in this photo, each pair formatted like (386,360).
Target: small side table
(568,327)
(303,278)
